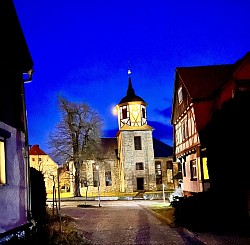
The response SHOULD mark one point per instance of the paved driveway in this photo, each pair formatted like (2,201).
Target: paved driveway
(123,222)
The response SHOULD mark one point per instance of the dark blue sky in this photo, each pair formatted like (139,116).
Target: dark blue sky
(82,50)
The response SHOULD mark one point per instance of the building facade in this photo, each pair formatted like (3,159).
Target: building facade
(15,62)
(133,161)
(209,115)
(43,163)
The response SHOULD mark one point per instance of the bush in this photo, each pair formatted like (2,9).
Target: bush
(209,211)
(196,212)
(38,196)
(62,231)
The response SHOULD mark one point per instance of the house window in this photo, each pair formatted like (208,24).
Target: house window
(193,168)
(137,142)
(33,159)
(158,172)
(169,165)
(139,166)
(2,163)
(205,168)
(180,94)
(184,168)
(184,130)
(108,178)
(169,172)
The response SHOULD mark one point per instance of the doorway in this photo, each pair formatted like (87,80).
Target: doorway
(140,184)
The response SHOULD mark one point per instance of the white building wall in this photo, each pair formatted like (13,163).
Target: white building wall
(13,196)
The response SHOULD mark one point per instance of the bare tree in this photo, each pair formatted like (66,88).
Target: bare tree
(76,137)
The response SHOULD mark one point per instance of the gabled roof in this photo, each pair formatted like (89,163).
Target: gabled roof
(109,145)
(35,150)
(13,48)
(202,81)
(161,149)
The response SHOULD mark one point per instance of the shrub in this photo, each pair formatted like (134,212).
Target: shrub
(38,196)
(62,231)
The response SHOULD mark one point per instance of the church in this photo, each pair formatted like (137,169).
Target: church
(133,161)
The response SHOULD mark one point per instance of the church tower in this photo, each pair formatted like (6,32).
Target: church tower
(135,144)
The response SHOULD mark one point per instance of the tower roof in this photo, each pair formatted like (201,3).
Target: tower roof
(131,96)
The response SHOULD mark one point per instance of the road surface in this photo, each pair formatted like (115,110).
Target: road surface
(124,222)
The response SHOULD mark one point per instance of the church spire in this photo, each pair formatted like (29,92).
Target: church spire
(130,91)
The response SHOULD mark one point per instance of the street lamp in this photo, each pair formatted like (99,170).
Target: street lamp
(98,185)
(163,192)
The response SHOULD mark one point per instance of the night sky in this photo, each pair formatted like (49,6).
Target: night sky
(83,49)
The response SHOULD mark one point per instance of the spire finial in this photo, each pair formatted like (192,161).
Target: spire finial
(129,69)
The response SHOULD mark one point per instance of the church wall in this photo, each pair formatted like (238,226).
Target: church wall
(130,157)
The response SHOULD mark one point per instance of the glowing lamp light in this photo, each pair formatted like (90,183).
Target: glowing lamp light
(114,110)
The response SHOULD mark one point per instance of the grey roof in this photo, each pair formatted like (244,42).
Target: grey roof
(161,149)
(110,145)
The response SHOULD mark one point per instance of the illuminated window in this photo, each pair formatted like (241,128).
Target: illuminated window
(205,168)
(2,163)
(180,95)
(139,166)
(193,168)
(158,173)
(137,142)
(3,136)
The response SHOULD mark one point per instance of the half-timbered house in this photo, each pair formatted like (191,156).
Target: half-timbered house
(210,120)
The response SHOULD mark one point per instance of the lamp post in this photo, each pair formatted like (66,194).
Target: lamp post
(58,186)
(163,192)
(98,185)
